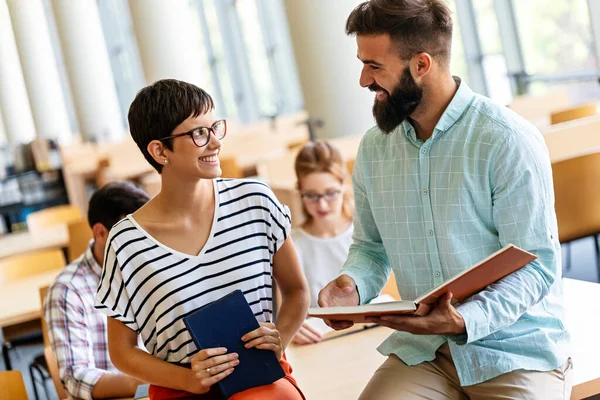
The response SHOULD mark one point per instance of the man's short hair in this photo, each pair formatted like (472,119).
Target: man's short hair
(113,201)
(159,108)
(414,26)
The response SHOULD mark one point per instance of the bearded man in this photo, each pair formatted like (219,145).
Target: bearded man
(446,178)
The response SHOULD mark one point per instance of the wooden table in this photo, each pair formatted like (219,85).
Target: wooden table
(24,242)
(20,299)
(340,368)
(582,307)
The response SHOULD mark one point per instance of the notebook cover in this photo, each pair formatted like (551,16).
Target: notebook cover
(222,323)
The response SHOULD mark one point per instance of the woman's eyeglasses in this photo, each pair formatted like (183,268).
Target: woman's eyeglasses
(201,135)
(329,196)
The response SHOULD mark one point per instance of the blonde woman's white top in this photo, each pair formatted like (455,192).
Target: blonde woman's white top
(321,258)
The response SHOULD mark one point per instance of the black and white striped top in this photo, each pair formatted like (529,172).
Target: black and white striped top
(151,287)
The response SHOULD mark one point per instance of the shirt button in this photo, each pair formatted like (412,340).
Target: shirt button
(430,233)
(424,151)
(425,192)
(437,273)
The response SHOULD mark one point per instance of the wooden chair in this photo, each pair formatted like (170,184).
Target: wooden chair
(54,373)
(37,221)
(350,165)
(12,386)
(80,235)
(230,168)
(287,194)
(104,174)
(570,139)
(347,145)
(571,114)
(23,265)
(277,169)
(577,199)
(49,361)
(586,390)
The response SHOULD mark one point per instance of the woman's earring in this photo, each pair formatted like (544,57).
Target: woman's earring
(164,161)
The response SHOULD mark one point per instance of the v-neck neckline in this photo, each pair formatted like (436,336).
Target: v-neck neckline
(177,252)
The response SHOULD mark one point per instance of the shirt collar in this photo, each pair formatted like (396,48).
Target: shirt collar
(89,259)
(460,102)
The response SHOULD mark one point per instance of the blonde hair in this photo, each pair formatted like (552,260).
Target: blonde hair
(320,156)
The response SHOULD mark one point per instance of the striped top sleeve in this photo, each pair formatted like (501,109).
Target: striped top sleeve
(112,299)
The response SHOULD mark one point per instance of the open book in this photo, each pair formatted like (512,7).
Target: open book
(329,333)
(489,270)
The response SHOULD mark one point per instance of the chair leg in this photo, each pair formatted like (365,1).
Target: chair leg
(33,383)
(6,346)
(567,257)
(597,246)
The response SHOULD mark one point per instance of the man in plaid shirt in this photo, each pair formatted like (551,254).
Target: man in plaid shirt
(77,332)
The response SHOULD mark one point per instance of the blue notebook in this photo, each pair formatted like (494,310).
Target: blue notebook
(222,323)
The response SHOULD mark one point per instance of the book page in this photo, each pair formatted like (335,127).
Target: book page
(328,333)
(359,313)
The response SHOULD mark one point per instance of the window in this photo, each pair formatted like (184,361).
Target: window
(458,64)
(123,52)
(493,60)
(250,58)
(556,36)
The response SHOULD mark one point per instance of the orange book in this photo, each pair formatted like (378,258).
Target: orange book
(489,270)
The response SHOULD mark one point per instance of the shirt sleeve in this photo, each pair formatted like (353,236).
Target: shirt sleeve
(281,221)
(367,261)
(523,212)
(64,313)
(111,298)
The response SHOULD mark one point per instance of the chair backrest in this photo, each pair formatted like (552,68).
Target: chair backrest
(230,168)
(287,194)
(350,165)
(573,113)
(21,266)
(577,196)
(54,373)
(80,235)
(278,169)
(39,220)
(43,293)
(572,138)
(12,386)
(48,353)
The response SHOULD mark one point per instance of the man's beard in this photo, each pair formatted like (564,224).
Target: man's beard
(398,106)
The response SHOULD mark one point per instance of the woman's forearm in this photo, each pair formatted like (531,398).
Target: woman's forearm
(291,314)
(139,364)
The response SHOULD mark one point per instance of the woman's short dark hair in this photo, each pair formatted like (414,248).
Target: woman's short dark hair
(415,26)
(158,109)
(113,201)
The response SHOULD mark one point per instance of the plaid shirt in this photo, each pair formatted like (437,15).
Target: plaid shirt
(77,332)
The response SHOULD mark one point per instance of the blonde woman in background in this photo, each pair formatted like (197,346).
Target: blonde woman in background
(324,239)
